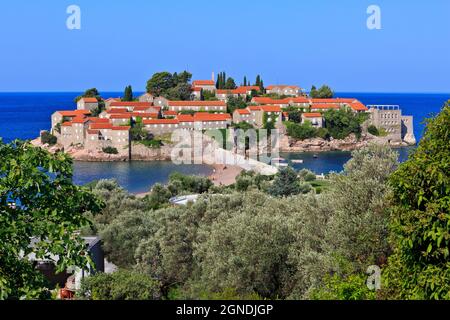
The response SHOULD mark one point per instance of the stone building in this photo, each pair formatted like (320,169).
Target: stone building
(315,118)
(207,85)
(87,104)
(284,90)
(389,117)
(179,106)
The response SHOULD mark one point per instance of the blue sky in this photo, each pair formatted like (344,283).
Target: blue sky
(287,42)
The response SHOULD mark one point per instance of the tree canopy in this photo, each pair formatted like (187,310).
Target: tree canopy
(171,86)
(420,265)
(39,203)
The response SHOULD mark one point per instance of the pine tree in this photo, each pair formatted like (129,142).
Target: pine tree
(128,94)
(258,81)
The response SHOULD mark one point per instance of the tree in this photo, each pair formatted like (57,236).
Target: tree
(286,183)
(230,84)
(48,138)
(89,93)
(419,267)
(128,94)
(245,81)
(120,285)
(234,103)
(38,201)
(301,131)
(324,92)
(160,83)
(341,123)
(122,236)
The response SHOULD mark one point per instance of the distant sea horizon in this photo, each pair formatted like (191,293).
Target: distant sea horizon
(24,114)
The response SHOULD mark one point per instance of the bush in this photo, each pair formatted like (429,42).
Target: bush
(48,138)
(121,285)
(306,175)
(373,130)
(341,123)
(301,131)
(110,150)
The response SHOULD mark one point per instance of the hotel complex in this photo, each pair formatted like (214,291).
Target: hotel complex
(159,116)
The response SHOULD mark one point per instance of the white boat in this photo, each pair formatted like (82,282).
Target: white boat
(279,162)
(297,161)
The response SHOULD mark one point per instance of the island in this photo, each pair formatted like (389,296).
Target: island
(128,128)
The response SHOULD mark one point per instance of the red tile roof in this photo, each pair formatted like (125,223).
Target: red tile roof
(145,115)
(197,83)
(298,100)
(197,104)
(74,113)
(312,115)
(90,100)
(226,91)
(254,108)
(242,111)
(196,89)
(185,118)
(67,124)
(79,120)
(325,106)
(267,100)
(333,100)
(358,106)
(271,108)
(170,113)
(98,120)
(205,117)
(90,131)
(117,110)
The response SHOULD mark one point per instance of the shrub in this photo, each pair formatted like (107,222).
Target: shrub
(306,175)
(110,150)
(48,138)
(373,130)
(121,285)
(300,131)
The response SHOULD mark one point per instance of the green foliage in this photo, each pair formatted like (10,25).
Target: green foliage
(352,287)
(38,201)
(194,184)
(48,138)
(420,219)
(341,123)
(269,121)
(121,237)
(324,92)
(294,113)
(230,84)
(287,183)
(128,94)
(243,126)
(153,143)
(306,175)
(247,180)
(99,109)
(208,95)
(120,285)
(171,86)
(373,130)
(110,150)
(301,131)
(89,93)
(234,103)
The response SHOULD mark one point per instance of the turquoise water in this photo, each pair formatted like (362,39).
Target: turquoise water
(136,177)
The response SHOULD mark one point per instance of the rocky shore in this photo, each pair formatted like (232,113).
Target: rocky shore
(287,144)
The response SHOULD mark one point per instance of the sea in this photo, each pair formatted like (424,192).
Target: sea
(23,115)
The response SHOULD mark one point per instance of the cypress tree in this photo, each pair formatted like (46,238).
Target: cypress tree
(258,81)
(245,81)
(128,94)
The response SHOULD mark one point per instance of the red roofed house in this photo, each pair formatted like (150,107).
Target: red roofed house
(207,85)
(196,93)
(272,114)
(219,106)
(211,121)
(102,135)
(274,102)
(241,115)
(315,118)
(322,107)
(60,116)
(110,100)
(242,91)
(284,90)
(146,97)
(87,104)
(161,126)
